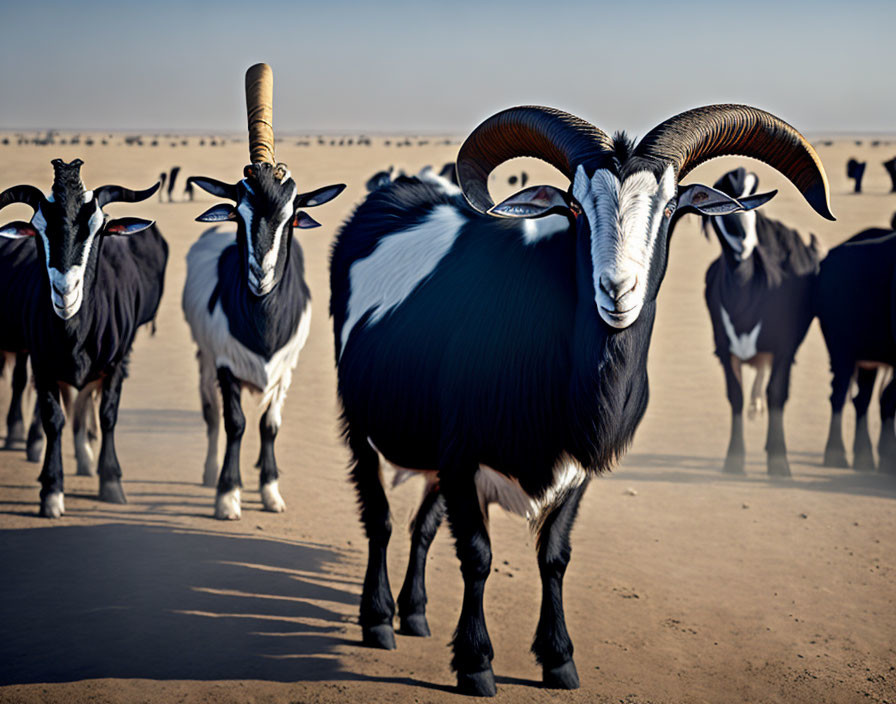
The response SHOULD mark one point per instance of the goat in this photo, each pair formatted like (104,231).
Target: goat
(890,166)
(74,292)
(856,171)
(855,304)
(506,359)
(759,296)
(175,170)
(247,303)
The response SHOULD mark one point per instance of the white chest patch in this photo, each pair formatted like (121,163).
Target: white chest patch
(741,346)
(400,262)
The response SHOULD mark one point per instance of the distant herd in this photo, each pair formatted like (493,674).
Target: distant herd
(497,350)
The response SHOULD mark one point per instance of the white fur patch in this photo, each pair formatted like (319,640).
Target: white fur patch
(625,218)
(227,506)
(741,346)
(537,229)
(53,505)
(67,287)
(400,262)
(443,184)
(270,497)
(212,334)
(492,487)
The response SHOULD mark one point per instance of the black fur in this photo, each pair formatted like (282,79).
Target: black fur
(498,358)
(855,300)
(123,285)
(263,324)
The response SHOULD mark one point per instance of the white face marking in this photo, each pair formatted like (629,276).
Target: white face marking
(67,287)
(741,346)
(741,248)
(625,218)
(268,266)
(400,262)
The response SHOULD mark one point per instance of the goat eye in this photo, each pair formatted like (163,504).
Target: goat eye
(575,208)
(669,210)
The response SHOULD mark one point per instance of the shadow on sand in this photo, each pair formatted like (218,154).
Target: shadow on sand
(132,601)
(808,474)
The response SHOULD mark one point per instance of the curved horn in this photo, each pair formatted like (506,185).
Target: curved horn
(260,111)
(695,136)
(115,194)
(561,139)
(29,195)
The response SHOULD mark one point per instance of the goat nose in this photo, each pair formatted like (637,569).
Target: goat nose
(617,288)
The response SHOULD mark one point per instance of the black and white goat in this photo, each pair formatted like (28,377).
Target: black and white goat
(759,295)
(249,308)
(855,300)
(74,291)
(505,358)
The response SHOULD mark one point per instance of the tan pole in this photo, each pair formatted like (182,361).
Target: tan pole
(260,111)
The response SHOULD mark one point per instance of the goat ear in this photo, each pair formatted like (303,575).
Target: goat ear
(756,200)
(319,196)
(304,221)
(706,201)
(218,213)
(127,226)
(533,202)
(17,229)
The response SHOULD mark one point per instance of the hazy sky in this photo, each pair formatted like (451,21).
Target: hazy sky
(443,66)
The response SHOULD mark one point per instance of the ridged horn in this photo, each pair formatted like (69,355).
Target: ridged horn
(559,138)
(29,195)
(695,136)
(260,111)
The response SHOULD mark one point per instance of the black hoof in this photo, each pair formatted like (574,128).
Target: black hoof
(111,492)
(563,676)
(734,464)
(477,684)
(34,452)
(382,636)
(778,466)
(835,458)
(414,625)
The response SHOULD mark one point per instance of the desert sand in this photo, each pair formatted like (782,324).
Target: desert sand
(685,585)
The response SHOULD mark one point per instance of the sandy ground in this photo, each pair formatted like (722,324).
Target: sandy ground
(685,585)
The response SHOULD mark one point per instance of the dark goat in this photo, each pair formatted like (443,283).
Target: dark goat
(890,166)
(759,295)
(75,287)
(505,357)
(856,171)
(855,304)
